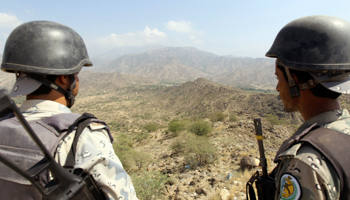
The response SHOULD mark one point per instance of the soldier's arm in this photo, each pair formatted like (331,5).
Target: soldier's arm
(96,155)
(306,174)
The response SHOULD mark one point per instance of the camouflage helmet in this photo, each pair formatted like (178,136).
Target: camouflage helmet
(44,47)
(317,44)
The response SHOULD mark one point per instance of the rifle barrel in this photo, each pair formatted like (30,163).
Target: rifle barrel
(258,131)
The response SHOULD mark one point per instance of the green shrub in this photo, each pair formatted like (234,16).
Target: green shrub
(233,117)
(123,152)
(140,136)
(141,159)
(197,150)
(217,117)
(176,126)
(200,127)
(273,119)
(130,158)
(124,140)
(200,152)
(178,146)
(151,127)
(150,185)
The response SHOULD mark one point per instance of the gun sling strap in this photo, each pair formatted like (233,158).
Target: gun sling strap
(81,123)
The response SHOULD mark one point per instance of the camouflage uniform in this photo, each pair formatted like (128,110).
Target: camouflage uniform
(94,154)
(303,172)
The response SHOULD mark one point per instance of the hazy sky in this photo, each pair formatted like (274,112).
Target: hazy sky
(239,28)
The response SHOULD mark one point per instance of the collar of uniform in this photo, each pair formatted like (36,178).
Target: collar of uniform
(35,106)
(326,117)
(320,120)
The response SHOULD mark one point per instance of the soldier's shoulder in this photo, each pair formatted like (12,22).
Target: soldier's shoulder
(290,152)
(313,159)
(340,125)
(316,160)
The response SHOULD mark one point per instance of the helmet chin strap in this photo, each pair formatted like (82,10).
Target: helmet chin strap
(67,94)
(293,88)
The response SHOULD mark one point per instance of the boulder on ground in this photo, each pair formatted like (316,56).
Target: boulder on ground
(248,162)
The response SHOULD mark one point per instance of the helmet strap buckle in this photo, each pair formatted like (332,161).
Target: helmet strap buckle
(70,98)
(308,85)
(293,89)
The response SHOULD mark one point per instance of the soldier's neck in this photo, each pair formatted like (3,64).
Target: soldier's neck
(310,105)
(52,96)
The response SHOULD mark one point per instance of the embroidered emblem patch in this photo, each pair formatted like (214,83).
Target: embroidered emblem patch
(290,188)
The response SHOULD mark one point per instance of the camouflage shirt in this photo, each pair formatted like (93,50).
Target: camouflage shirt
(94,153)
(303,172)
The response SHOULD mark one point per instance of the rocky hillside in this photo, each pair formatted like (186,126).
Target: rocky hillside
(106,81)
(199,98)
(129,109)
(204,98)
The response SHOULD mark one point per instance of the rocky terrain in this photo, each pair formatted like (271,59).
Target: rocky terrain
(130,108)
(223,179)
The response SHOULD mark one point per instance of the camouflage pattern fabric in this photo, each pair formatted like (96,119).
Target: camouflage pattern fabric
(95,153)
(303,172)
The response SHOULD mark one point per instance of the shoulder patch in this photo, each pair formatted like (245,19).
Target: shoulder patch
(289,188)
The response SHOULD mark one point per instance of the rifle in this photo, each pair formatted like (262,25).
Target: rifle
(264,184)
(65,185)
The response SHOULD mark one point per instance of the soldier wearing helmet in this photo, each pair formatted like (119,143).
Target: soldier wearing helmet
(46,58)
(313,67)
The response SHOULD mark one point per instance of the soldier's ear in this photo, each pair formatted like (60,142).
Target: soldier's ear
(63,81)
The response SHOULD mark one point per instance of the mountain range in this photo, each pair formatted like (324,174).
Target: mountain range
(180,64)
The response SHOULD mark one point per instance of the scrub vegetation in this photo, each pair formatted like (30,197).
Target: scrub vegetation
(198,129)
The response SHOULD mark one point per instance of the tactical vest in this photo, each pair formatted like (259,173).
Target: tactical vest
(16,144)
(332,144)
